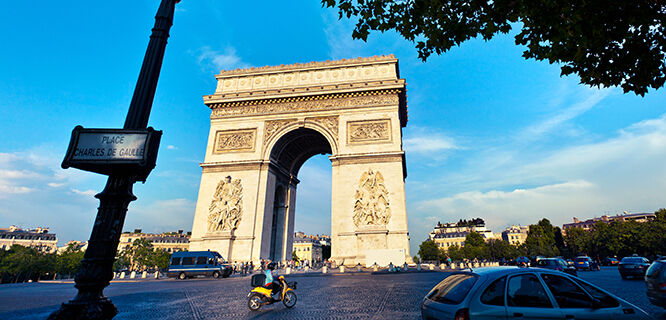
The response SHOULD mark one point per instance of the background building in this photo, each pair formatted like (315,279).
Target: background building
(76,245)
(309,247)
(515,235)
(454,233)
(38,238)
(587,224)
(169,241)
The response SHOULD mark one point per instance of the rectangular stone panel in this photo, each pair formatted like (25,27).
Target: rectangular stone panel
(235,141)
(369,131)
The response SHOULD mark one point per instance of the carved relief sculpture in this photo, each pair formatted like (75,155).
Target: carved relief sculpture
(234,140)
(375,130)
(273,126)
(330,123)
(226,209)
(371,205)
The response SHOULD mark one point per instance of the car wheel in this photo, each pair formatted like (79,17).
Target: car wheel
(182,276)
(216,274)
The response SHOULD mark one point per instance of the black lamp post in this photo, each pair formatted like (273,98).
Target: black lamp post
(97,265)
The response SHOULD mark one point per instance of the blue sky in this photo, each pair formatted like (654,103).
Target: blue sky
(490,134)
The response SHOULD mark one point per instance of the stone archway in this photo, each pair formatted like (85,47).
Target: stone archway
(266,122)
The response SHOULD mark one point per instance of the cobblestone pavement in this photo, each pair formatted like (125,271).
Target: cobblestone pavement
(632,290)
(358,296)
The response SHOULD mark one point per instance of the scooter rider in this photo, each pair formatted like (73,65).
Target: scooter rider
(272,281)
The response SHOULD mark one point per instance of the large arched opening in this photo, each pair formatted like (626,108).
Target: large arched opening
(287,156)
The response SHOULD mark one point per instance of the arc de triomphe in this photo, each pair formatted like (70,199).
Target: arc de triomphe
(266,122)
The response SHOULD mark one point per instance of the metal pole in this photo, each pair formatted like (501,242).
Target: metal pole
(97,265)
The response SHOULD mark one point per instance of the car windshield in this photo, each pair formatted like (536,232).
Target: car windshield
(632,260)
(544,262)
(581,259)
(453,289)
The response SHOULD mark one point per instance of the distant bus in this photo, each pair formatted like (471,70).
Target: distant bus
(188,264)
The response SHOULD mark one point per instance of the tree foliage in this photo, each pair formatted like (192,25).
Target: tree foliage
(141,255)
(541,239)
(20,264)
(428,251)
(605,43)
(619,238)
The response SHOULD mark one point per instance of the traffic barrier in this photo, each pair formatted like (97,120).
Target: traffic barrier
(306,269)
(288,270)
(442,266)
(324,269)
(133,275)
(157,274)
(432,266)
(144,274)
(122,275)
(342,269)
(375,267)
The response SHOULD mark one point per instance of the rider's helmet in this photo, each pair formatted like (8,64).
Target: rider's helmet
(271,266)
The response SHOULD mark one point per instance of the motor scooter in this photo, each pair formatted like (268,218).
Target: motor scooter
(260,295)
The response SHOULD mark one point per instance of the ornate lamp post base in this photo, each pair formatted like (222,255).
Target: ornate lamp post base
(102,308)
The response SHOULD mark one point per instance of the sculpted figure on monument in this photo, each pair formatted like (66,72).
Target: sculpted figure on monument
(371,206)
(226,209)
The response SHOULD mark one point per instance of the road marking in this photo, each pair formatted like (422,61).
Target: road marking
(196,313)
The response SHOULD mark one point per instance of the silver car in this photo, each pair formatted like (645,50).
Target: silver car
(522,293)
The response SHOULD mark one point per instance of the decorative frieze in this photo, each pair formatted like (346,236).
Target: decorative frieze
(371,202)
(234,140)
(305,104)
(273,126)
(226,208)
(369,131)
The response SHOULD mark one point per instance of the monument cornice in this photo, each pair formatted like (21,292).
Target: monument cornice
(321,102)
(257,96)
(313,65)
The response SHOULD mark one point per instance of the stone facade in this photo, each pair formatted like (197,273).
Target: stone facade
(266,122)
(170,241)
(450,234)
(38,238)
(515,235)
(309,249)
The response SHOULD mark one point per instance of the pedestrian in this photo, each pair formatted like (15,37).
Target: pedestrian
(251,267)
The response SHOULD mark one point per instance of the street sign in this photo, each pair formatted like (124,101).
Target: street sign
(107,151)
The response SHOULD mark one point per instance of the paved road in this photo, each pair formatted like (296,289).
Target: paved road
(632,290)
(363,296)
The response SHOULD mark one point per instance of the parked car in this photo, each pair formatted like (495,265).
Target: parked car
(585,263)
(633,267)
(655,280)
(608,261)
(557,264)
(523,293)
(187,264)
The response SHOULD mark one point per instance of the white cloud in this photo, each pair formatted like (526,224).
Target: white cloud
(585,99)
(88,193)
(221,60)
(624,172)
(428,144)
(172,147)
(338,34)
(161,215)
